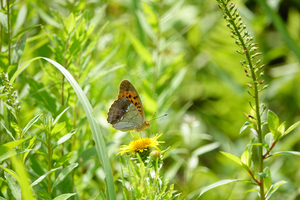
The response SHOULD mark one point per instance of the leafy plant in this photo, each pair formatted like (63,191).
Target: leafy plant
(265,142)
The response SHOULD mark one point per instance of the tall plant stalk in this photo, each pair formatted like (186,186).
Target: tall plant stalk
(244,41)
(8,32)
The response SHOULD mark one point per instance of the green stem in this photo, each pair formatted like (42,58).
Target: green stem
(49,159)
(256,97)
(21,135)
(8,32)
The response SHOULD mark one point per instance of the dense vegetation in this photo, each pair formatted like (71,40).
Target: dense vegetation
(181,59)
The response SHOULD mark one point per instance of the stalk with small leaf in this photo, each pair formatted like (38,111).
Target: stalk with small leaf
(264,142)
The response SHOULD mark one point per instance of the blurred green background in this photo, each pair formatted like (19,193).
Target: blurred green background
(181,59)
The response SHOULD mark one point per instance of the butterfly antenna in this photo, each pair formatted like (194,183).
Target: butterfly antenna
(158,117)
(152,115)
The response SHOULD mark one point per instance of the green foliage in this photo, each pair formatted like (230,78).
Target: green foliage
(180,58)
(142,180)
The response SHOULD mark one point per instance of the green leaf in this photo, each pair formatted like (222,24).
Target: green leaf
(16,127)
(22,12)
(23,179)
(58,127)
(6,153)
(274,188)
(43,97)
(11,172)
(281,128)
(24,30)
(3,21)
(64,159)
(15,143)
(246,125)
(59,116)
(273,122)
(30,123)
(18,51)
(70,23)
(245,158)
(233,158)
(46,17)
(64,196)
(66,137)
(37,181)
(291,128)
(13,186)
(140,49)
(145,25)
(223,182)
(8,132)
(63,174)
(268,178)
(30,145)
(295,153)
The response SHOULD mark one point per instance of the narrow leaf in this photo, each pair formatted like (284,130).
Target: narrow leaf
(11,172)
(59,116)
(245,126)
(15,143)
(233,157)
(295,153)
(223,182)
(30,123)
(274,189)
(291,128)
(66,137)
(13,186)
(63,159)
(63,174)
(58,128)
(9,133)
(64,196)
(37,181)
(140,49)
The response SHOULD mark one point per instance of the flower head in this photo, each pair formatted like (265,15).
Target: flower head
(141,145)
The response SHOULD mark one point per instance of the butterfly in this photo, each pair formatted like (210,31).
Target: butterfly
(127,113)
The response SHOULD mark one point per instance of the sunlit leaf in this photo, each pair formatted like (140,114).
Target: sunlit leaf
(64,196)
(233,158)
(41,178)
(273,122)
(274,188)
(30,123)
(223,182)
(291,128)
(66,137)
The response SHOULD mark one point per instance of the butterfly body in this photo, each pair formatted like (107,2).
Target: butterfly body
(127,113)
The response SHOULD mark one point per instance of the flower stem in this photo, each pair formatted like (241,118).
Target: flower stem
(8,32)
(255,96)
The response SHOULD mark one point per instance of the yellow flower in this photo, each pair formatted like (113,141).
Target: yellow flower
(141,145)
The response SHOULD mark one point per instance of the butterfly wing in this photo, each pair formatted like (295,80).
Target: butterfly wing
(124,116)
(128,91)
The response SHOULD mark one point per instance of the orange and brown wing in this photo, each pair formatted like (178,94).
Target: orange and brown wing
(128,91)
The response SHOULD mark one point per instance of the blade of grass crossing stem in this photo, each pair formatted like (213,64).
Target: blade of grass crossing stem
(97,135)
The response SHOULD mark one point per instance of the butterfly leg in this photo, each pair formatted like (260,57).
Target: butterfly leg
(132,136)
